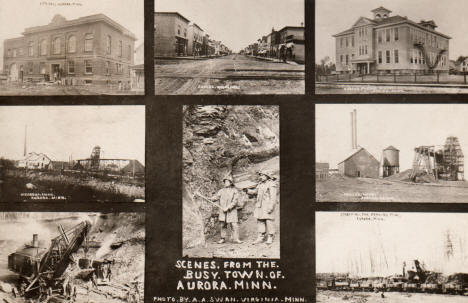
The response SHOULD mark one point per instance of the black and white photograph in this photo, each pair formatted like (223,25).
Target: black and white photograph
(391,153)
(391,47)
(231,182)
(79,47)
(224,47)
(72,153)
(391,257)
(72,257)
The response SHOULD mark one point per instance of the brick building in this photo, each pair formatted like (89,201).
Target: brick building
(170,34)
(391,44)
(195,40)
(92,49)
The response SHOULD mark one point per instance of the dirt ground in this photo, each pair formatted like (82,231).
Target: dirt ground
(27,89)
(327,296)
(224,76)
(345,189)
(385,89)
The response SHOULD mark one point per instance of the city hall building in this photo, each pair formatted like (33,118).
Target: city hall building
(88,50)
(391,44)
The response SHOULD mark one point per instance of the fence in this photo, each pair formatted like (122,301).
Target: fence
(439,78)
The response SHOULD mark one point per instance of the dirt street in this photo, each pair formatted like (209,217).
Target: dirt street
(233,74)
(328,296)
(345,189)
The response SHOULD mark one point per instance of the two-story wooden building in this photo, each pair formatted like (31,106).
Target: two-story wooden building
(391,44)
(170,34)
(88,50)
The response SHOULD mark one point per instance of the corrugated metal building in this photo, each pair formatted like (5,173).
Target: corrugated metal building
(360,164)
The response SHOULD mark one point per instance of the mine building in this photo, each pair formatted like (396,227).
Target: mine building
(35,161)
(391,44)
(360,164)
(390,161)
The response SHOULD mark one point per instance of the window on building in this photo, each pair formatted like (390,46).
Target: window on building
(120,48)
(107,67)
(56,46)
(387,55)
(31,48)
(366,49)
(185,32)
(9,53)
(30,67)
(379,36)
(395,55)
(352,41)
(42,68)
(347,42)
(71,66)
(396,34)
(387,35)
(347,59)
(20,52)
(14,53)
(179,28)
(341,58)
(129,53)
(89,38)
(352,56)
(108,44)
(88,67)
(71,44)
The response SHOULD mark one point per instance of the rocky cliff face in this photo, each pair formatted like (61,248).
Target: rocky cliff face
(222,141)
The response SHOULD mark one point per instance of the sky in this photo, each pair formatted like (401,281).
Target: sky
(391,239)
(404,126)
(16,15)
(61,131)
(237,23)
(335,16)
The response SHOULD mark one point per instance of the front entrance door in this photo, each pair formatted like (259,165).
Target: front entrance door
(55,72)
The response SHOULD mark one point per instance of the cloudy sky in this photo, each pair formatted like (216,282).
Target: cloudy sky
(237,23)
(334,16)
(16,15)
(346,242)
(405,126)
(61,131)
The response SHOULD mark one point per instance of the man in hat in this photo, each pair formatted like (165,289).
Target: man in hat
(264,206)
(228,197)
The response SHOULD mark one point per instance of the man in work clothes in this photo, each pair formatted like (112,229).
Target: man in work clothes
(264,207)
(228,197)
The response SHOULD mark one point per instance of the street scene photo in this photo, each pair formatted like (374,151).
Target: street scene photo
(72,257)
(379,257)
(231,182)
(83,47)
(72,153)
(391,47)
(391,153)
(229,47)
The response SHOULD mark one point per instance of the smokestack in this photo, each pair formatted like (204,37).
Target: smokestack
(35,241)
(25,136)
(355,129)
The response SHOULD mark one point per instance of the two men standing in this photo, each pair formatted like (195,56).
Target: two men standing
(228,197)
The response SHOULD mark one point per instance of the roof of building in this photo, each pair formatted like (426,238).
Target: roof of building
(393,20)
(354,152)
(196,25)
(59,21)
(32,156)
(291,27)
(381,8)
(321,165)
(391,147)
(172,13)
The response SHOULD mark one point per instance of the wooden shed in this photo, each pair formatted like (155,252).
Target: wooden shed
(360,164)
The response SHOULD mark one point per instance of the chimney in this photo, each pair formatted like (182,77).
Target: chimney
(35,241)
(355,129)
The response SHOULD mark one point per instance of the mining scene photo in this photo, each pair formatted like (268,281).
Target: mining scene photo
(231,182)
(205,48)
(391,153)
(72,153)
(72,257)
(378,257)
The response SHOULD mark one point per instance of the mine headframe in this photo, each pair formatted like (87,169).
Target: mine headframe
(59,255)
(425,162)
(95,157)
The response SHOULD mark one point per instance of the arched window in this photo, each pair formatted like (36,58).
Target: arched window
(89,42)
(108,44)
(72,44)
(56,45)
(31,48)
(43,47)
